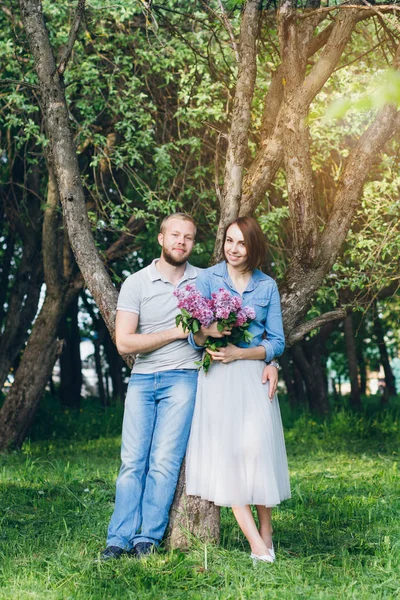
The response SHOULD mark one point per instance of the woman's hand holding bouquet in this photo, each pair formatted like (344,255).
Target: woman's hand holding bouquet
(221,319)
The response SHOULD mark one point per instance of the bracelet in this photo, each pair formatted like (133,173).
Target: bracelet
(273,363)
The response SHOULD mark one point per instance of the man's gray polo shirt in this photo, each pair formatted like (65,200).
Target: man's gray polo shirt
(151,297)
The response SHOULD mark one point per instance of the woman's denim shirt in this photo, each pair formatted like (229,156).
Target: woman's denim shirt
(262,295)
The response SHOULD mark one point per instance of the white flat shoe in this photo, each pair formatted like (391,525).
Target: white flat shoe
(272,552)
(263,558)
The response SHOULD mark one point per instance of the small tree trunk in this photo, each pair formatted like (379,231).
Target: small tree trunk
(314,378)
(299,384)
(116,366)
(288,378)
(33,373)
(351,352)
(99,371)
(70,359)
(390,382)
(362,367)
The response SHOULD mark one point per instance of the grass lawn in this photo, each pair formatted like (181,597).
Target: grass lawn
(338,537)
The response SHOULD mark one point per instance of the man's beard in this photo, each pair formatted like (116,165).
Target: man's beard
(171,260)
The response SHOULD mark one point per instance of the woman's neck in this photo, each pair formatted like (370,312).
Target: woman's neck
(239,278)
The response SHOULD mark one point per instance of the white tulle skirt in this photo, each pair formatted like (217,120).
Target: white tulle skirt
(236,453)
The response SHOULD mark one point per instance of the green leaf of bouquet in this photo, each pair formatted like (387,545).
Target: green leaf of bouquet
(195,326)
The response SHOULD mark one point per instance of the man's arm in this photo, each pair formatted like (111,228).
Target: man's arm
(270,374)
(130,342)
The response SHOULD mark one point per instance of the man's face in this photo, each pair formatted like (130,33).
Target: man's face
(177,241)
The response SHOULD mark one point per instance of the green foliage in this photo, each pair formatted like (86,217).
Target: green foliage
(385,90)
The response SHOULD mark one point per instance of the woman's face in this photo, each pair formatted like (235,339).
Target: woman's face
(235,248)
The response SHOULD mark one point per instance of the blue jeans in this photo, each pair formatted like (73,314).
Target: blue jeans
(158,414)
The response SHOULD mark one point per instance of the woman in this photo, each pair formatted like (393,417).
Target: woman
(236,454)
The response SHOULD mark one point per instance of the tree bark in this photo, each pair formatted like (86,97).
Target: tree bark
(22,306)
(5,268)
(351,352)
(289,379)
(239,131)
(299,382)
(65,163)
(390,381)
(191,516)
(22,400)
(70,358)
(116,367)
(42,349)
(314,378)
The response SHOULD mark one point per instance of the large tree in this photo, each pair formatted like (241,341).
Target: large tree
(311,42)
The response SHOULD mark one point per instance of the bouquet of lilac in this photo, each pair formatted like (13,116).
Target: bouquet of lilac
(227,310)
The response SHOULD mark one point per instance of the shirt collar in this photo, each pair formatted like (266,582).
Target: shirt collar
(221,270)
(155,275)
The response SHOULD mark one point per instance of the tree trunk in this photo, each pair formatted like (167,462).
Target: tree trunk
(70,359)
(65,162)
(390,382)
(362,367)
(33,373)
(299,383)
(5,267)
(355,397)
(289,379)
(239,131)
(315,381)
(116,367)
(191,516)
(99,370)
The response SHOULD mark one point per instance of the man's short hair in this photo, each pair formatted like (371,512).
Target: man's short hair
(179,215)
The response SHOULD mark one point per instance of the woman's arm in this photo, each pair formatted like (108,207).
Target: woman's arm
(231,353)
(274,344)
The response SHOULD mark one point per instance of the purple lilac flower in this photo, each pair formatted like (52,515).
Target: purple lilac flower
(195,304)
(244,314)
(224,304)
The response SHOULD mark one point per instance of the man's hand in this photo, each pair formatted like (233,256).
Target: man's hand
(270,374)
(212,331)
(181,335)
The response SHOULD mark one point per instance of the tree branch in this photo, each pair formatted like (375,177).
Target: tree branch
(72,37)
(369,7)
(307,326)
(270,153)
(17,82)
(123,243)
(239,132)
(319,74)
(351,183)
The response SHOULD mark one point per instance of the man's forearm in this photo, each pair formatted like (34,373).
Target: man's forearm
(136,343)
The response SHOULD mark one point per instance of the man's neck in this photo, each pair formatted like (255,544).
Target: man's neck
(169,272)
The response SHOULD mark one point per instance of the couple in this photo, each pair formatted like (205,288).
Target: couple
(236,454)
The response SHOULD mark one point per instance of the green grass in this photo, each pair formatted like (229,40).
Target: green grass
(338,537)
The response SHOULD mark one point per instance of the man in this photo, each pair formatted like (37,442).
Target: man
(161,393)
